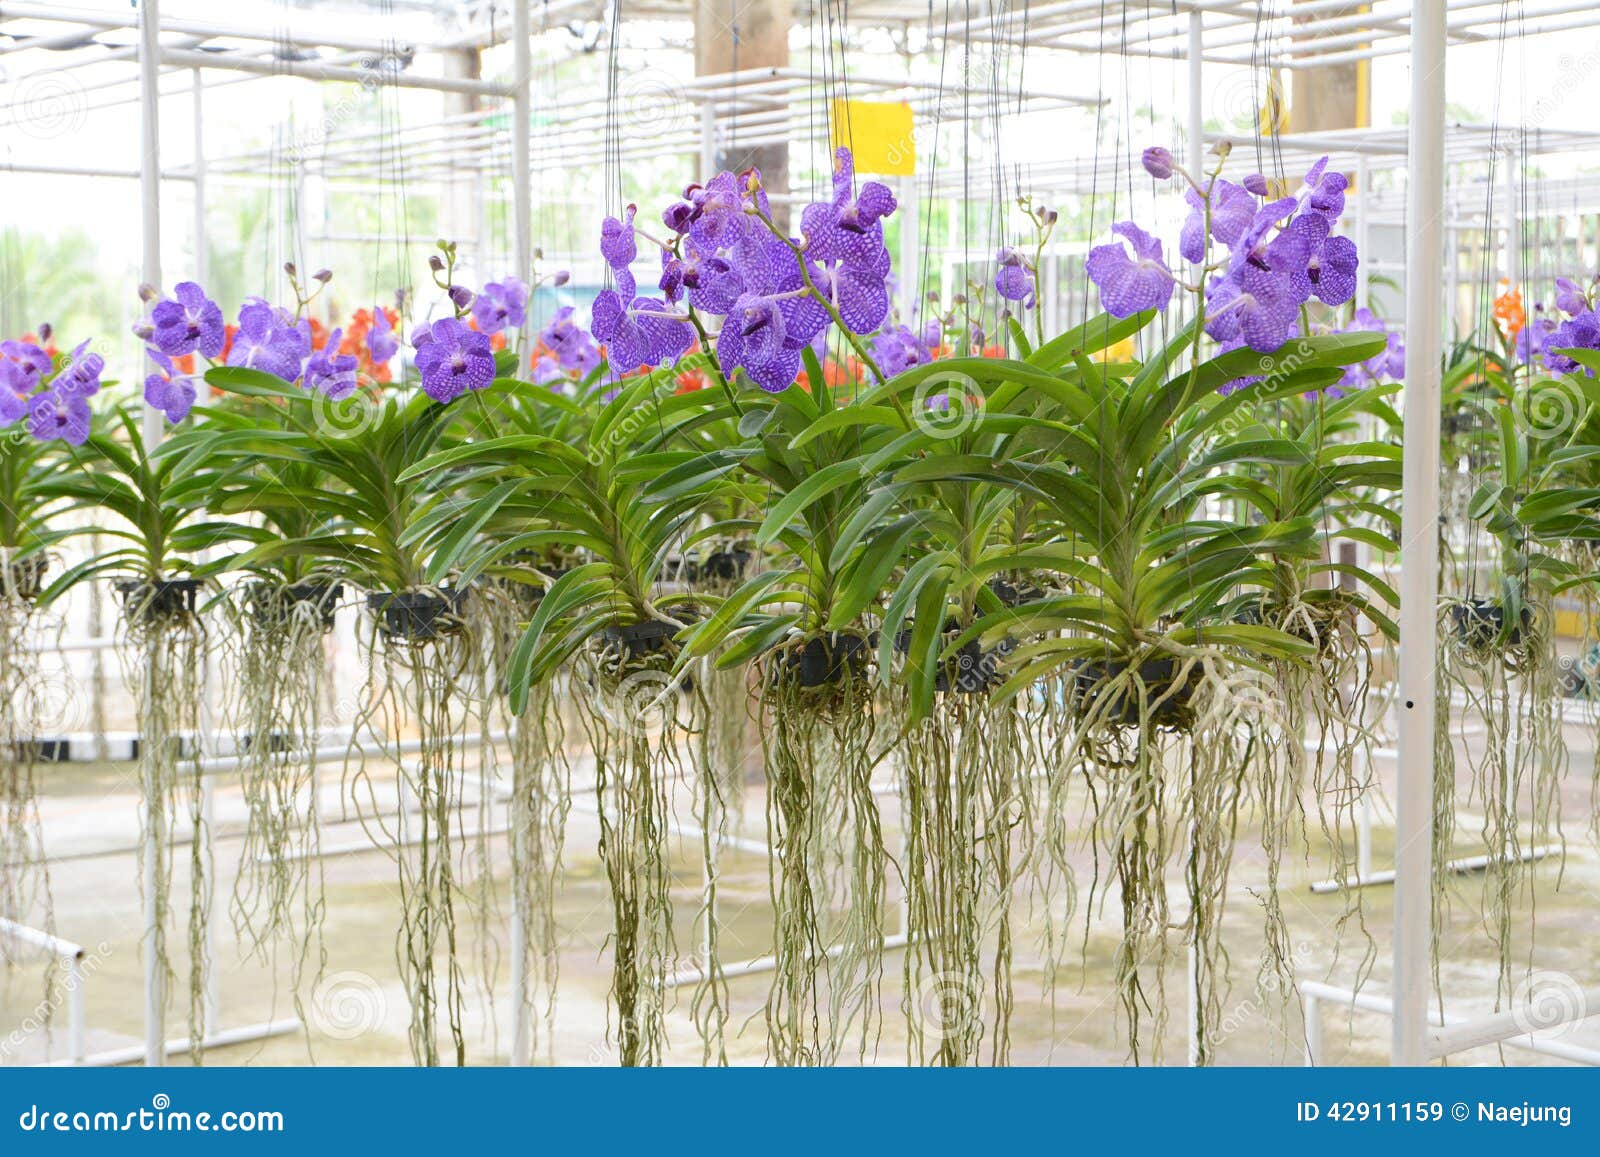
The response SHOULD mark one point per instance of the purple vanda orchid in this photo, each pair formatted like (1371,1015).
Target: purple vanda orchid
(1133,277)
(452,358)
(168,390)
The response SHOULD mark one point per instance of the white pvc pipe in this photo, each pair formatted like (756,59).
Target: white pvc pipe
(1197,142)
(1363,231)
(155,985)
(315,70)
(521,170)
(202,245)
(1513,250)
(1419,542)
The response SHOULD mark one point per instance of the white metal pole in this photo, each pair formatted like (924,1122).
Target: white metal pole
(1419,539)
(202,246)
(1513,223)
(155,987)
(521,171)
(910,275)
(1197,124)
(708,141)
(1363,232)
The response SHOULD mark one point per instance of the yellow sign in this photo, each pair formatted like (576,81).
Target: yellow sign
(879,133)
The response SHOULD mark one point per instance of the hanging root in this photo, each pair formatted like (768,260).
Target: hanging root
(425,683)
(632,714)
(1509,686)
(279,661)
(1164,748)
(968,819)
(25,715)
(163,668)
(827,871)
(541,798)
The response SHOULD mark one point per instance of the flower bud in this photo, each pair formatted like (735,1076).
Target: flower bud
(461,296)
(1158,162)
(561,278)
(45,330)
(1257,184)
(148,292)
(288,267)
(436,263)
(323,275)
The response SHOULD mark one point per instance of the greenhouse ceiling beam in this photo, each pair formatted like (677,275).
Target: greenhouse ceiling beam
(208,29)
(314,70)
(1419,541)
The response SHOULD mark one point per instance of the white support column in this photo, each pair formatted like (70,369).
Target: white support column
(708,142)
(521,171)
(1419,541)
(1363,235)
(202,245)
(1513,251)
(155,986)
(1197,122)
(909,273)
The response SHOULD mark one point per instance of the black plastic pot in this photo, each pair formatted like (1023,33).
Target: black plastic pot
(824,660)
(1481,623)
(417,615)
(973,670)
(721,565)
(167,598)
(1160,677)
(26,578)
(1016,594)
(270,601)
(636,640)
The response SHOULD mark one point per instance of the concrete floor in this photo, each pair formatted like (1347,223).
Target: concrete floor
(358,1015)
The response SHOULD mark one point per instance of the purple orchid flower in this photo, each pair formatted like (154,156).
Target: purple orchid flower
(754,339)
(168,390)
(80,374)
(382,341)
(1232,211)
(501,304)
(1570,298)
(896,348)
(187,322)
(32,364)
(329,372)
(1327,190)
(1130,283)
(452,359)
(268,339)
(645,332)
(53,415)
(1013,280)
(15,394)
(571,344)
